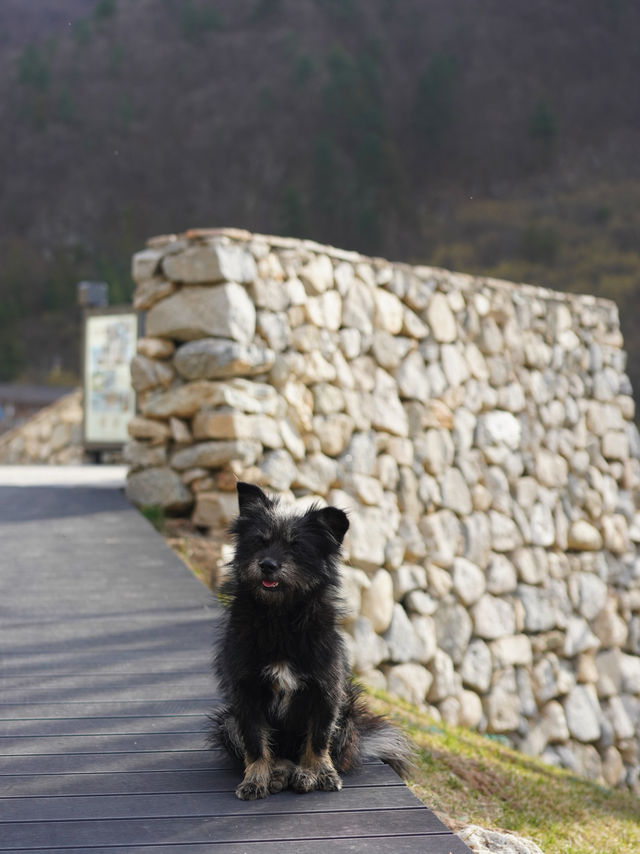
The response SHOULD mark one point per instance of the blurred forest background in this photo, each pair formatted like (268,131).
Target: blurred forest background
(499,137)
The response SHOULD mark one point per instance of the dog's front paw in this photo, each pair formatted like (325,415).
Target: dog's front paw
(329,780)
(304,780)
(250,790)
(280,776)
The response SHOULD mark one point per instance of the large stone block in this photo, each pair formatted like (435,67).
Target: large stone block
(583,713)
(148,373)
(583,536)
(378,601)
(201,264)
(367,538)
(493,617)
(144,264)
(477,666)
(214,509)
(401,639)
(441,320)
(151,291)
(182,401)
(453,630)
(230,424)
(353,582)
(489,841)
(388,311)
(317,274)
(502,704)
(221,311)
(144,455)
(370,648)
(539,611)
(158,487)
(216,454)
(446,682)
(219,358)
(154,432)
(409,681)
(358,307)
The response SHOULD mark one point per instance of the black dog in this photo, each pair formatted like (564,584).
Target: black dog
(292,713)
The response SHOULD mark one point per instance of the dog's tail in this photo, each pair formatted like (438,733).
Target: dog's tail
(387,743)
(360,734)
(224,732)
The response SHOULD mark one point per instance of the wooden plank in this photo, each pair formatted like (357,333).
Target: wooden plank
(73,744)
(113,761)
(250,827)
(126,686)
(73,763)
(406,844)
(82,726)
(161,628)
(160,781)
(193,804)
(106,708)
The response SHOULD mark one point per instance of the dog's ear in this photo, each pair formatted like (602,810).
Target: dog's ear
(248,495)
(335,520)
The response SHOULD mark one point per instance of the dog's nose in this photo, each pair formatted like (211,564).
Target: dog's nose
(268,566)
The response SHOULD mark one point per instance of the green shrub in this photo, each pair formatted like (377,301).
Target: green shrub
(539,244)
(125,110)
(344,10)
(303,70)
(105,9)
(12,355)
(81,32)
(266,99)
(265,9)
(197,19)
(543,131)
(292,213)
(66,107)
(33,70)
(155,514)
(116,59)
(434,105)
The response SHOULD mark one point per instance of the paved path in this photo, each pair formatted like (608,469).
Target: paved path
(105,643)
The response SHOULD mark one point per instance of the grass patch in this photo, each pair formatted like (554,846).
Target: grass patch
(155,514)
(467,778)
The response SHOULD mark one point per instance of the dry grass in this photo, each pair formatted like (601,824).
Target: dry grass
(202,554)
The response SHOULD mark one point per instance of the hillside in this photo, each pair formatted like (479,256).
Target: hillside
(497,138)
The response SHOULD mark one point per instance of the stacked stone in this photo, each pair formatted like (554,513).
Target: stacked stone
(479,433)
(53,436)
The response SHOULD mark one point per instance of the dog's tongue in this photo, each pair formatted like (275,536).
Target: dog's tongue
(269,584)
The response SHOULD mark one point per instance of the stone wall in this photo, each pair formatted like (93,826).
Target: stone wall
(480,435)
(53,435)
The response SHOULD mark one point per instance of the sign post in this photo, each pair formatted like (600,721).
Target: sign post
(109,345)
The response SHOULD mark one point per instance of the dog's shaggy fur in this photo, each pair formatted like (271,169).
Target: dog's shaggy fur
(292,713)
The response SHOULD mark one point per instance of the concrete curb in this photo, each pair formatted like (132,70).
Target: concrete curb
(106,476)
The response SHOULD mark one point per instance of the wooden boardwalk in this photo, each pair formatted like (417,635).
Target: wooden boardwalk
(105,644)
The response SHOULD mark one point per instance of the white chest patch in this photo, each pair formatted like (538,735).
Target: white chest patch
(282,677)
(284,684)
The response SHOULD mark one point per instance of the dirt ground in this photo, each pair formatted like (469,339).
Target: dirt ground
(204,554)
